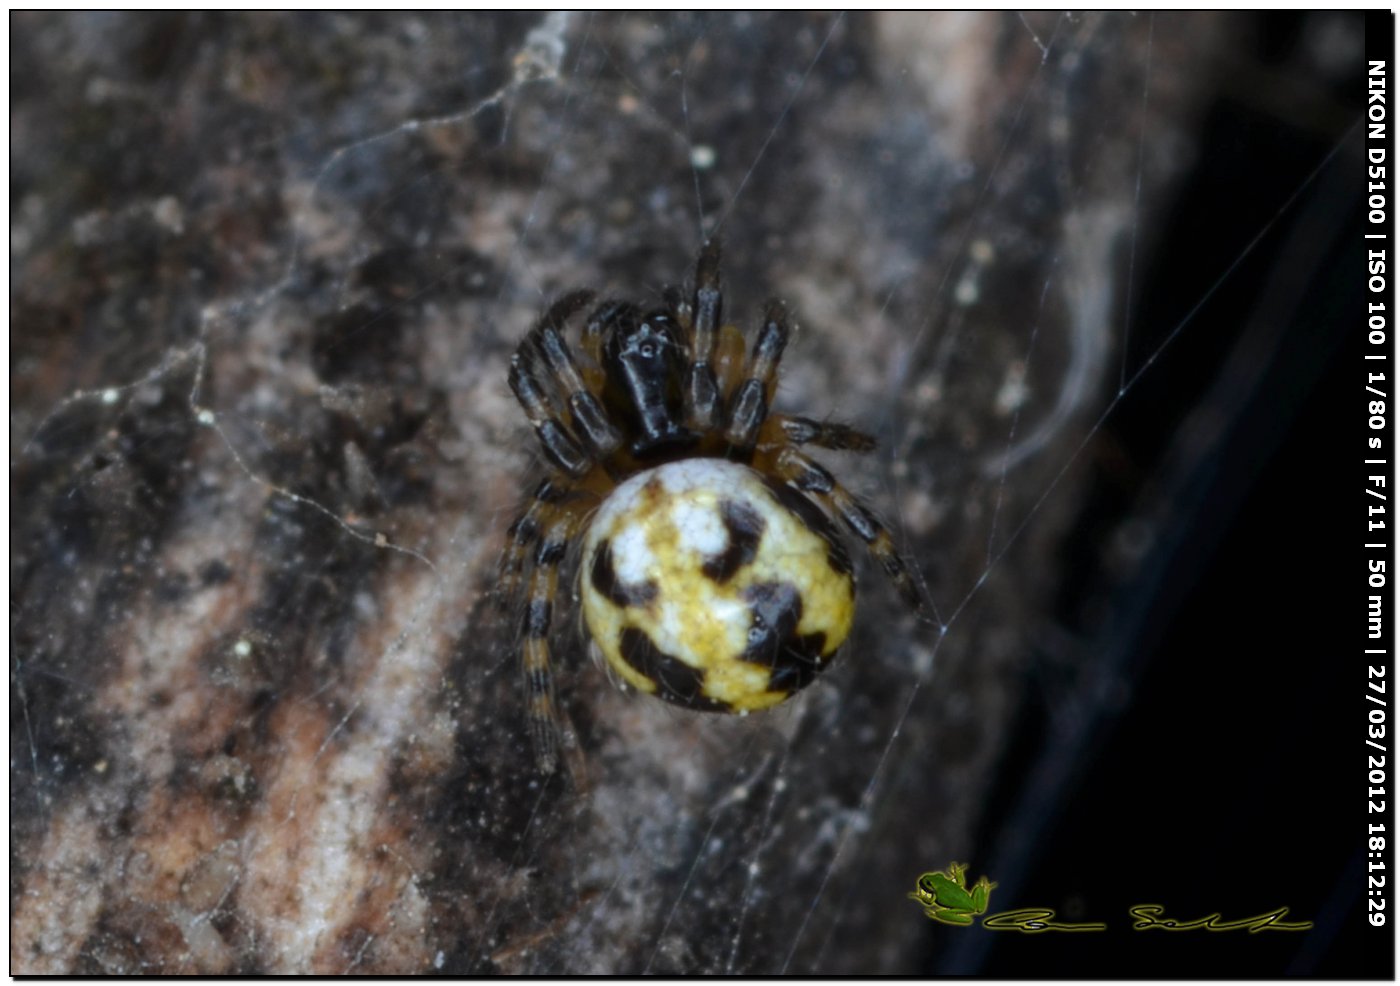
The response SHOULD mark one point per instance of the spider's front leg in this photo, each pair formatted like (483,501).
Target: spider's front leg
(702,396)
(818,483)
(574,447)
(587,417)
(748,407)
(789,429)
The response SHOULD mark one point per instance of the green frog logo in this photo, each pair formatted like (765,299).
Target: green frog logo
(946,898)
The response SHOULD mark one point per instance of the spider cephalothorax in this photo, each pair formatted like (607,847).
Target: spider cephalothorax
(712,574)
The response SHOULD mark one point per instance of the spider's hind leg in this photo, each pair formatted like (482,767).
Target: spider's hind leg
(537,618)
(521,537)
(528,584)
(816,482)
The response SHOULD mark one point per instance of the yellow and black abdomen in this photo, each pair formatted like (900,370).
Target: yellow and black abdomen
(712,587)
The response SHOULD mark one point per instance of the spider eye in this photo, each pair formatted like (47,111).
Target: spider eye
(647,350)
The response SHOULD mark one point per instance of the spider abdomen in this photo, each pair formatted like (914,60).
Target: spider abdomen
(713,587)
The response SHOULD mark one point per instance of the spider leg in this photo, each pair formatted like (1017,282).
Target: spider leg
(521,537)
(560,447)
(702,396)
(818,483)
(788,429)
(591,335)
(535,624)
(589,419)
(748,407)
(531,385)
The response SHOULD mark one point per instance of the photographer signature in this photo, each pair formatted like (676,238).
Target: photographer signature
(946,898)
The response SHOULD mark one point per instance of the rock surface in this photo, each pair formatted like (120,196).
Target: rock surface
(267,273)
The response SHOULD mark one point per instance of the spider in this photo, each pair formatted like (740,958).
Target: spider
(712,573)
